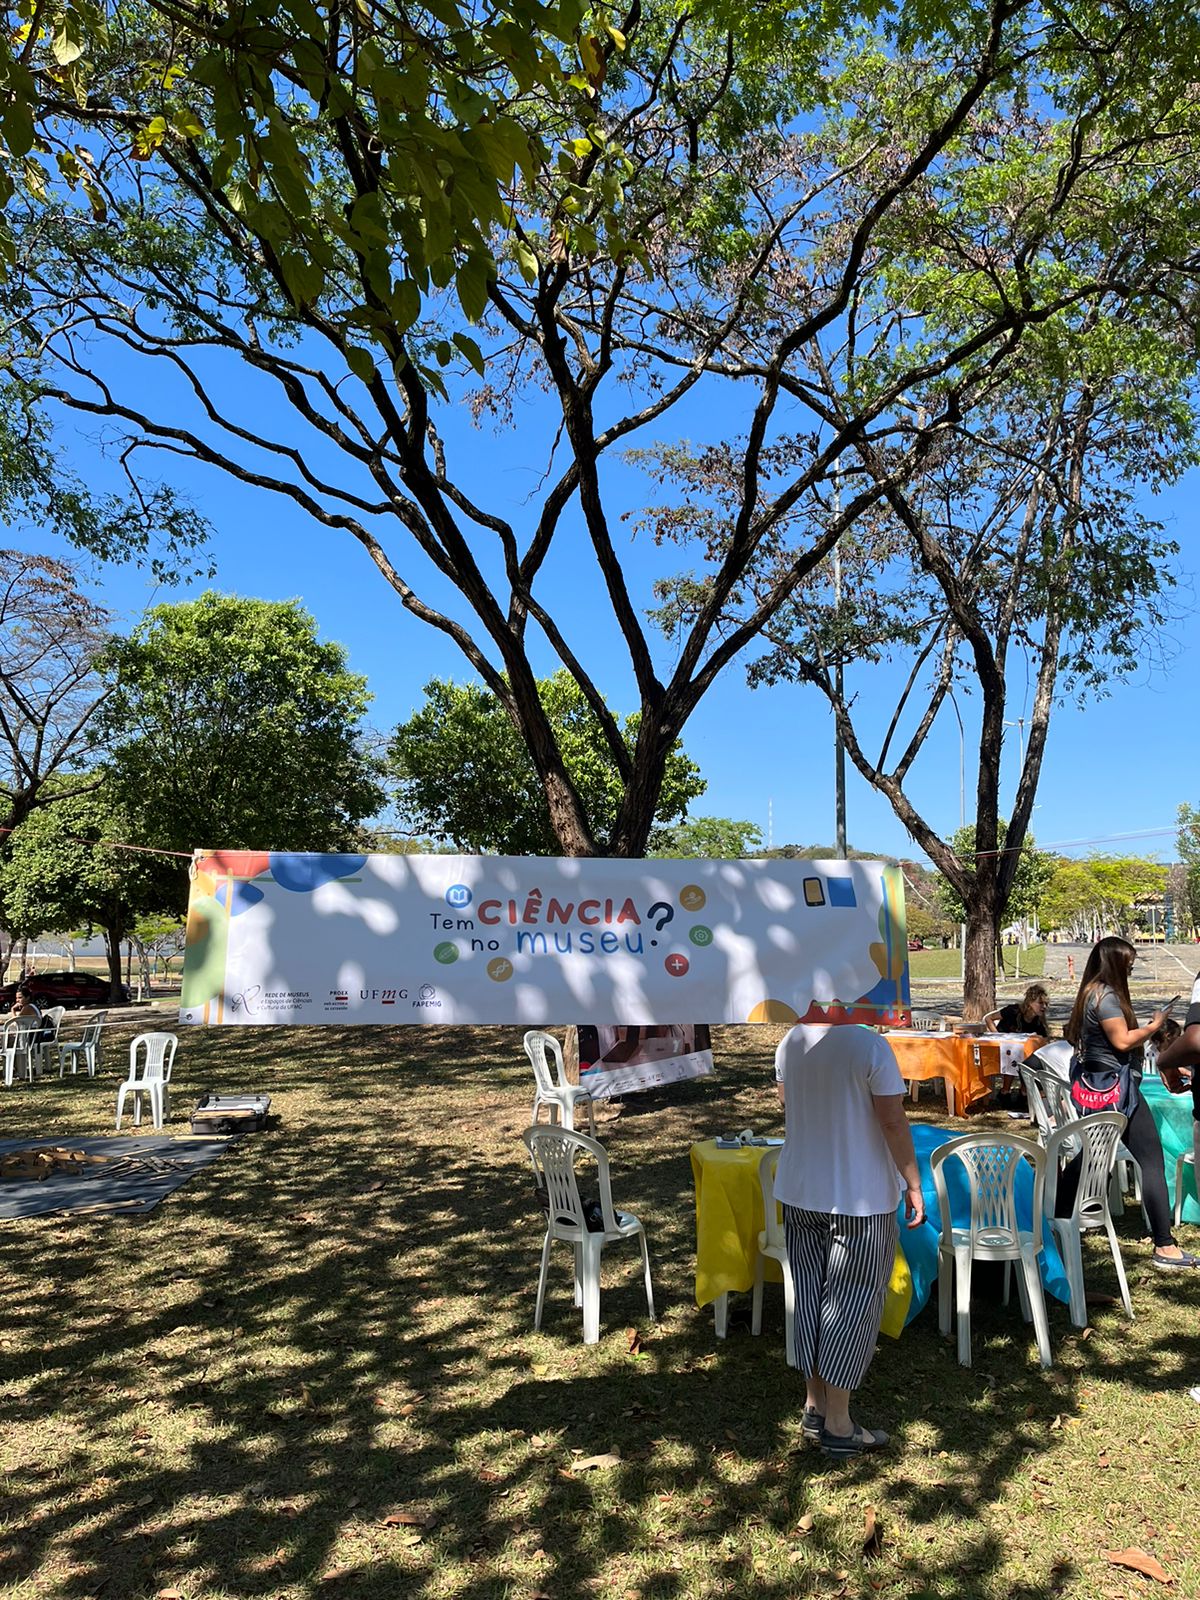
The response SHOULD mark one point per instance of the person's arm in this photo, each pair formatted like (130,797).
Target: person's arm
(1183,1052)
(992,1019)
(779,1090)
(1122,1037)
(893,1124)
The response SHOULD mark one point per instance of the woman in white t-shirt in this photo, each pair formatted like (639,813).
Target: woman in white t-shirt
(847,1157)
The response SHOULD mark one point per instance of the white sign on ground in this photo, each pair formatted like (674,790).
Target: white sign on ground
(296,938)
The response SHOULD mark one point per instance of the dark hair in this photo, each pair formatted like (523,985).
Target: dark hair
(1167,1032)
(1107,968)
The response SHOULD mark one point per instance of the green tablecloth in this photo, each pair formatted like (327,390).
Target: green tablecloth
(1173,1115)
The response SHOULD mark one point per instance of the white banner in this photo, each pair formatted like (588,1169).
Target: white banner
(291,938)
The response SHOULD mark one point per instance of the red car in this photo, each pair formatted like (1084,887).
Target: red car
(68,989)
(916,944)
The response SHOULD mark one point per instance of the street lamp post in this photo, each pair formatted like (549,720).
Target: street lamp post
(839,749)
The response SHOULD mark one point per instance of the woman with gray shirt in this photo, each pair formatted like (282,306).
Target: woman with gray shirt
(1106,1035)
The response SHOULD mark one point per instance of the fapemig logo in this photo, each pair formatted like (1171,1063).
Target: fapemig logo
(427,999)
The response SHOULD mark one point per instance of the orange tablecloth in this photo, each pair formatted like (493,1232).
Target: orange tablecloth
(966,1065)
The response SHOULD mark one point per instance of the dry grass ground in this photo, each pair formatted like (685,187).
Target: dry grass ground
(311,1372)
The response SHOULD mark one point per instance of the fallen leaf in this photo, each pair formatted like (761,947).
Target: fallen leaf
(872,1535)
(333,1573)
(536,1441)
(1138,1561)
(1103,1461)
(1086,1334)
(635,1341)
(611,1458)
(169,1594)
(806,1524)
(1057,1423)
(408,1519)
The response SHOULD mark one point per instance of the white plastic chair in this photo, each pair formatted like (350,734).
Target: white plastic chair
(1040,1110)
(927,1025)
(20,1053)
(1187,1159)
(85,1048)
(771,1242)
(1055,1057)
(1095,1139)
(151,1057)
(553,1091)
(553,1152)
(46,1038)
(992,1164)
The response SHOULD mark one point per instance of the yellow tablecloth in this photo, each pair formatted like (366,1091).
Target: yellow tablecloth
(729,1219)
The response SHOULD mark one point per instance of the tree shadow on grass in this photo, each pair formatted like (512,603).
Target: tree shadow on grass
(331,1327)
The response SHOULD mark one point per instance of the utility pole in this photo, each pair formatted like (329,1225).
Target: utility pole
(839,749)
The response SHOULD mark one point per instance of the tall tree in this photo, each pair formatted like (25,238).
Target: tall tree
(1022,542)
(1188,844)
(464,776)
(69,867)
(706,198)
(1087,899)
(710,838)
(51,636)
(232,725)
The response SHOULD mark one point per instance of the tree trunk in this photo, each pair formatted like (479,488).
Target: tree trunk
(979,966)
(112,948)
(143,959)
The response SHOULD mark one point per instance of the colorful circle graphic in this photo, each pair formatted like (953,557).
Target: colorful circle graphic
(701,935)
(692,897)
(445,952)
(677,965)
(459,896)
(500,969)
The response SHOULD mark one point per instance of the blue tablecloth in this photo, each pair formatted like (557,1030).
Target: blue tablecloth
(921,1244)
(1172,1115)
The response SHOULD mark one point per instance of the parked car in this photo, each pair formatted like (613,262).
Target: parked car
(916,944)
(68,989)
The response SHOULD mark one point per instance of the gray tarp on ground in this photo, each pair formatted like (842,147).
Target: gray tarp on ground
(134,1178)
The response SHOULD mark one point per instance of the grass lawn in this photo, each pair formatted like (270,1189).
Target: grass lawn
(948,963)
(311,1372)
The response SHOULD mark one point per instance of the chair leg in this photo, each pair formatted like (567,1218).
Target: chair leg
(1119,1264)
(945,1286)
(789,1315)
(962,1285)
(541,1289)
(756,1298)
(578,1252)
(591,1288)
(120,1104)
(1037,1300)
(649,1286)
(1070,1248)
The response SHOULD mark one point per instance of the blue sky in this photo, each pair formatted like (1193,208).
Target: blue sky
(1117,766)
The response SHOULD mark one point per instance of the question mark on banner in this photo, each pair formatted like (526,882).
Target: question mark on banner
(665,914)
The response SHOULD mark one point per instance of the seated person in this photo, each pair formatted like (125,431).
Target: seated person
(1027,1015)
(28,1019)
(1177,1055)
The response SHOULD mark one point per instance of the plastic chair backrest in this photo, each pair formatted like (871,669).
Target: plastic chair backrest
(53,1015)
(537,1044)
(773,1227)
(91,1034)
(1032,1079)
(926,1025)
(992,1164)
(12,1035)
(554,1151)
(1096,1139)
(159,1050)
(1063,1110)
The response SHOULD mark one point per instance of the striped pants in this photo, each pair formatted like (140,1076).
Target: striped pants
(840,1269)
